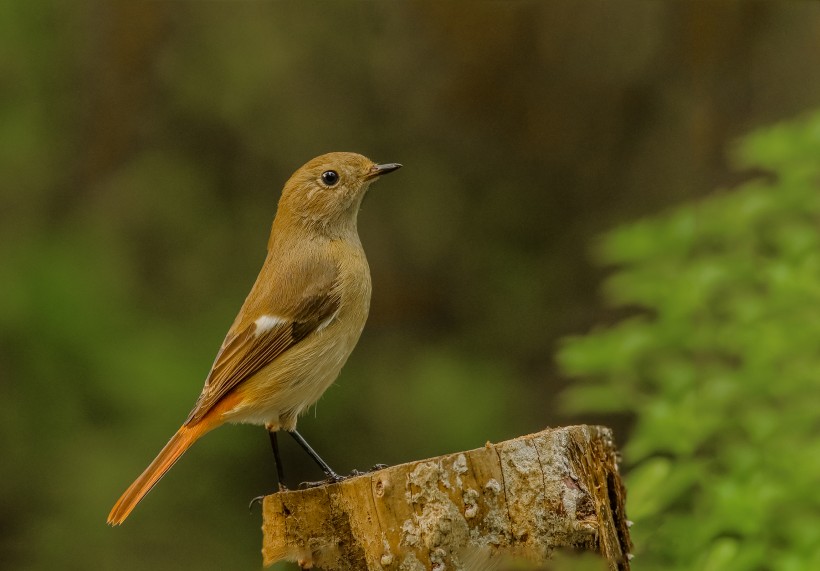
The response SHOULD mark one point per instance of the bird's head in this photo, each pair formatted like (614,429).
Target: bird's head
(327,191)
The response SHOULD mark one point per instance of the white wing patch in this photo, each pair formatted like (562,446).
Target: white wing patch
(328,321)
(268,322)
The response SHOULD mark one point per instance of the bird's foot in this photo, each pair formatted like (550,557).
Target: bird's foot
(375,468)
(258,499)
(332,478)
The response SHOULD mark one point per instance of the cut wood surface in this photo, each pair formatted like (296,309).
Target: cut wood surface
(516,500)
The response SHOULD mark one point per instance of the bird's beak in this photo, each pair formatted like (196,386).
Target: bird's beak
(378,170)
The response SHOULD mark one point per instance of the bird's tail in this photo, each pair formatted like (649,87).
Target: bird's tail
(176,447)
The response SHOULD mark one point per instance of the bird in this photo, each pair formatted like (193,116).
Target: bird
(297,326)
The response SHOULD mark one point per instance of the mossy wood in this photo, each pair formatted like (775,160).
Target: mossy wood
(520,499)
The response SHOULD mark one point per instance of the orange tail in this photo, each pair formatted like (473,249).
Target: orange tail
(175,448)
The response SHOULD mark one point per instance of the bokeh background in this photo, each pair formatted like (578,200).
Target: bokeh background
(143,146)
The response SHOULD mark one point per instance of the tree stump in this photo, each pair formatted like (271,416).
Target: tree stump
(520,499)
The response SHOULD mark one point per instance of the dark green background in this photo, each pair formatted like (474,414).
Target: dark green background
(143,146)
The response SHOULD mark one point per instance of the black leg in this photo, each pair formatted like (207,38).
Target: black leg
(280,472)
(316,458)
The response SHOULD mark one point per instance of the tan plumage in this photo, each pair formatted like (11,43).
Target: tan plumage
(300,320)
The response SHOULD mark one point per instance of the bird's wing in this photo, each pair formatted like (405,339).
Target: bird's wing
(247,351)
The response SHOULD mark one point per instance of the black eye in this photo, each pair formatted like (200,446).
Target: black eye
(330,177)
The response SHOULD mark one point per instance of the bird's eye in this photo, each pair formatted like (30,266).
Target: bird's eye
(330,177)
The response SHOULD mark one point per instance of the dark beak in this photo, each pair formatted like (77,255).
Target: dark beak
(378,170)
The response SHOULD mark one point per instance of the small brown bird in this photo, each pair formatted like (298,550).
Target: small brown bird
(299,323)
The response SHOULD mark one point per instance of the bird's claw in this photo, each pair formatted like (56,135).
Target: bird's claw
(374,468)
(258,499)
(332,478)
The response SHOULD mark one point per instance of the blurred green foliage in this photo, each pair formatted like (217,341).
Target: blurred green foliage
(720,367)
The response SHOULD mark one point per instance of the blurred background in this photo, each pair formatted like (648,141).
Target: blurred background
(143,146)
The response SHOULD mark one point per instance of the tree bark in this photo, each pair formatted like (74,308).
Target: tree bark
(517,500)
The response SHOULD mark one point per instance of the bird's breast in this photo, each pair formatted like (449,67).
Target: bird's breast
(299,377)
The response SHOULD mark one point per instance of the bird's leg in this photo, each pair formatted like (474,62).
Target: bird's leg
(331,475)
(280,471)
